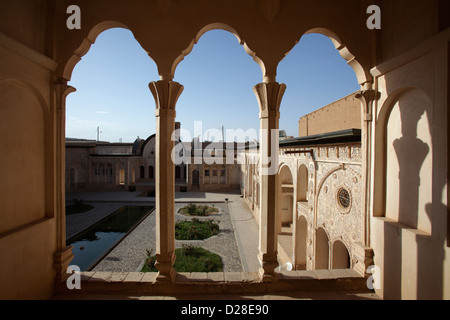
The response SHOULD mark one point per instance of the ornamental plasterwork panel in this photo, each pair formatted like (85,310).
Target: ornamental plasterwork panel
(356,153)
(339,203)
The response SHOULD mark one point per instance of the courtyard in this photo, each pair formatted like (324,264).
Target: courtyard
(236,243)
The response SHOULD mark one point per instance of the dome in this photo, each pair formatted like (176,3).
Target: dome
(137,146)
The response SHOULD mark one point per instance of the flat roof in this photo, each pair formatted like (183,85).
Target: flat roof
(343,136)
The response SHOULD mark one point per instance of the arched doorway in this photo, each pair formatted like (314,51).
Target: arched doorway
(195,179)
(301,243)
(302,184)
(322,250)
(286,197)
(341,257)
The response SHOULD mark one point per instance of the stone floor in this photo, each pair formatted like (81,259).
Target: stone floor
(291,285)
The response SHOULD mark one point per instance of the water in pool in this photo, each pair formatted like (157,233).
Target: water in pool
(93,243)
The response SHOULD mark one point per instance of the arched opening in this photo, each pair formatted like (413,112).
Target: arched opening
(111,107)
(403,190)
(286,210)
(177,172)
(404,159)
(216,119)
(25,169)
(115,105)
(285,214)
(320,99)
(301,243)
(286,197)
(319,70)
(196,178)
(341,256)
(109,174)
(322,250)
(151,172)
(302,184)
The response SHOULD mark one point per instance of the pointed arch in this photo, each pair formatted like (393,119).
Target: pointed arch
(87,42)
(302,183)
(390,197)
(217,26)
(341,256)
(361,74)
(322,249)
(301,239)
(27,137)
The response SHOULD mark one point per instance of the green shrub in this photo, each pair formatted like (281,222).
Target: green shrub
(198,210)
(189,259)
(196,229)
(149,265)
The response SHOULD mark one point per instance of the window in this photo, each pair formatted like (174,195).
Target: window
(343,198)
(222,172)
(122,177)
(214,173)
(206,173)
(151,172)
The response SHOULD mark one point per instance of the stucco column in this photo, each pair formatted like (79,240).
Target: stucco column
(269,97)
(63,255)
(363,252)
(166,94)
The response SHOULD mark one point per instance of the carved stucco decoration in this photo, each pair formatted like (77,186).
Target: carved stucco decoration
(340,223)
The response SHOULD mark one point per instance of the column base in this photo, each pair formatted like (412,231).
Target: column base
(164,264)
(61,262)
(269,263)
(362,259)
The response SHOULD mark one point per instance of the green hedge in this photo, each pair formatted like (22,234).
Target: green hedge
(189,259)
(196,229)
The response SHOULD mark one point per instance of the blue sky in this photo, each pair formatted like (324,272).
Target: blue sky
(218,77)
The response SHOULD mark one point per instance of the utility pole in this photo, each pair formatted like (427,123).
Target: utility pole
(98,134)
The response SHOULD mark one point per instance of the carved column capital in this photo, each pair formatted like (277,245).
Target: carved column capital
(62,90)
(166,94)
(269,97)
(367,97)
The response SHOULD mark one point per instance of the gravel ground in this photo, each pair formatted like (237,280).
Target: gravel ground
(130,253)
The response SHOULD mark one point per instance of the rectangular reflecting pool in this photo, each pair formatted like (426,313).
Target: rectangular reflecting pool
(92,244)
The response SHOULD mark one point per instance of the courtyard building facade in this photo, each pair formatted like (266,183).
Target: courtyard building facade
(319,220)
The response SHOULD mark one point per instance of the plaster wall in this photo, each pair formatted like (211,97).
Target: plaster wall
(410,209)
(27,192)
(339,115)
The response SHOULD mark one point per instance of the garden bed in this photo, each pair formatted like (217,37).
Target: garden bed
(189,259)
(198,210)
(196,229)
